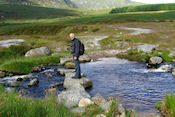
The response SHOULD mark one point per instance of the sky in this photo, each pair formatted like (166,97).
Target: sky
(155,1)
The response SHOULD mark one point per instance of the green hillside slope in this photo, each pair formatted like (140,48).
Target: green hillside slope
(151,7)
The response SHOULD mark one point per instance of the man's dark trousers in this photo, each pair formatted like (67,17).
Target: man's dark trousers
(77,68)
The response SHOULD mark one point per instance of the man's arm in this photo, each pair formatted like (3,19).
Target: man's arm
(77,48)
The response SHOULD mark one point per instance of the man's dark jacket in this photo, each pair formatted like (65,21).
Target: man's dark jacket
(76,47)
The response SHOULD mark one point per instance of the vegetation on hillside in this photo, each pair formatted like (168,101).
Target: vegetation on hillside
(16,11)
(141,8)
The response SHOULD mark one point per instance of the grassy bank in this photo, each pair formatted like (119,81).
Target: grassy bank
(134,55)
(13,105)
(24,65)
(167,106)
(141,8)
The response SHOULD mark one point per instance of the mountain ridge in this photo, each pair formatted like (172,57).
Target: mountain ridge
(80,4)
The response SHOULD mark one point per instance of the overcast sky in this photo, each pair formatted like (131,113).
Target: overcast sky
(155,1)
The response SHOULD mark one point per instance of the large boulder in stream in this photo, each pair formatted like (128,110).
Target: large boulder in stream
(155,60)
(147,48)
(63,71)
(2,74)
(37,52)
(70,83)
(71,98)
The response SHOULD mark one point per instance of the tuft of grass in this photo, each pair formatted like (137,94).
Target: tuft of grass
(167,106)
(13,52)
(150,7)
(24,65)
(12,105)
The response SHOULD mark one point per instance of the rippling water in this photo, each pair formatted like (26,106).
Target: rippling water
(131,82)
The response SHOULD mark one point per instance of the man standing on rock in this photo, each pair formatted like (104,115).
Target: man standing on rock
(75,49)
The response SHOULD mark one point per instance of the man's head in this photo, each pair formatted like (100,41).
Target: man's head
(72,36)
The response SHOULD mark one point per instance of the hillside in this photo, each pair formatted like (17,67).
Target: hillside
(33,12)
(150,7)
(81,4)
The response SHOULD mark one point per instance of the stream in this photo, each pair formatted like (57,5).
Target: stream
(131,82)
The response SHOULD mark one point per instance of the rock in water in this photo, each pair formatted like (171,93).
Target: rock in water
(148,48)
(37,52)
(37,69)
(63,71)
(69,65)
(85,102)
(66,59)
(165,68)
(14,84)
(33,82)
(98,99)
(70,83)
(84,58)
(71,98)
(156,60)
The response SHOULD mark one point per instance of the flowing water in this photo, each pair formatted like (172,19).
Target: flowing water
(136,86)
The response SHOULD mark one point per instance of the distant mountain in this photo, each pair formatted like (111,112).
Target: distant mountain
(81,4)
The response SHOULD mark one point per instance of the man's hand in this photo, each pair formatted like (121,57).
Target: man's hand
(75,58)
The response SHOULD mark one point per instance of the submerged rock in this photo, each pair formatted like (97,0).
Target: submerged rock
(33,82)
(148,48)
(85,102)
(37,52)
(156,60)
(14,84)
(49,75)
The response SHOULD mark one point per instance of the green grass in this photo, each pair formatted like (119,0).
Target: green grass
(134,55)
(12,105)
(167,106)
(13,52)
(141,8)
(24,65)
(33,12)
(51,26)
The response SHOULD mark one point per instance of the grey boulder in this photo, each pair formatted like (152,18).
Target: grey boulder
(71,98)
(156,60)
(63,71)
(37,52)
(78,110)
(69,65)
(70,83)
(147,48)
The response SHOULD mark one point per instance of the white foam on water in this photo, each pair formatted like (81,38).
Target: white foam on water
(9,42)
